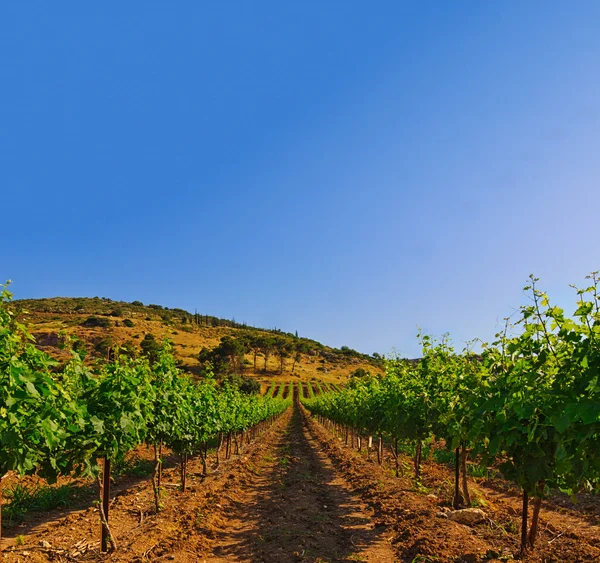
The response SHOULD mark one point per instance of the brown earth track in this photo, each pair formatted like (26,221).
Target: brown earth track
(298,509)
(281,501)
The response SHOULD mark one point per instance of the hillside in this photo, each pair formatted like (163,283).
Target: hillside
(101,324)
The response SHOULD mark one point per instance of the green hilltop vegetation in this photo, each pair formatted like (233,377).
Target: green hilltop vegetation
(100,325)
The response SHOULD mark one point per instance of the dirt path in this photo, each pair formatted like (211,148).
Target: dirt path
(298,509)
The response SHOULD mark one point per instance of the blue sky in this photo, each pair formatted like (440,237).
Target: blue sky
(350,171)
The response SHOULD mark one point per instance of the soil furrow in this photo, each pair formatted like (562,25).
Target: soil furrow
(299,509)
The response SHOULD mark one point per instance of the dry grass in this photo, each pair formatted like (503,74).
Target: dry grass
(188,340)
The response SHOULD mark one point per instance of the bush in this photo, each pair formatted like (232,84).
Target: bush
(150,347)
(137,303)
(79,347)
(116,312)
(247,385)
(128,323)
(103,347)
(93,322)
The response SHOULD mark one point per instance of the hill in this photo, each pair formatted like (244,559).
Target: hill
(101,324)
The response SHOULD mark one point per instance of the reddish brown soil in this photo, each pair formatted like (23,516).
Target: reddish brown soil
(299,494)
(568,532)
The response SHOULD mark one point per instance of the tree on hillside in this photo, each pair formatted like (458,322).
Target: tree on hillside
(267,347)
(300,347)
(227,357)
(234,349)
(283,349)
(255,345)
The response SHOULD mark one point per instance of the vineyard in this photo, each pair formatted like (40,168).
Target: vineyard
(486,454)
(59,420)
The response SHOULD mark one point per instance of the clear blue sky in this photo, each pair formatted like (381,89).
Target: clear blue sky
(349,170)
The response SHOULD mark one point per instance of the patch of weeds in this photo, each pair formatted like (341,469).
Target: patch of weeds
(200,517)
(511,527)
(443,456)
(36,498)
(445,490)
(20,540)
(424,559)
(481,471)
(134,466)
(407,449)
(420,488)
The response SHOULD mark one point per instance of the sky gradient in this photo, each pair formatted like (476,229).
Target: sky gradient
(344,170)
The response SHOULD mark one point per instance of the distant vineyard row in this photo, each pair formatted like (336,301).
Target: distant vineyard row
(306,390)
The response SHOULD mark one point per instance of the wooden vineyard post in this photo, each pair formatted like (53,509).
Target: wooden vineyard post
(465,484)
(418,459)
(159,479)
(183,471)
(105,503)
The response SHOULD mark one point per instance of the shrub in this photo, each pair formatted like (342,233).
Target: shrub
(128,323)
(246,385)
(93,322)
(103,346)
(150,347)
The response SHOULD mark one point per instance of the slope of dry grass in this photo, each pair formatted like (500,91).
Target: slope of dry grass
(50,320)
